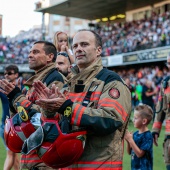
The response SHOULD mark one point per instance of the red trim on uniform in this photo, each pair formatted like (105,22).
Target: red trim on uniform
(157,125)
(167,126)
(30,161)
(167,90)
(80,115)
(25,103)
(100,165)
(96,93)
(114,93)
(31,96)
(100,162)
(77,114)
(77,94)
(30,158)
(102,168)
(83,93)
(78,97)
(74,113)
(115,104)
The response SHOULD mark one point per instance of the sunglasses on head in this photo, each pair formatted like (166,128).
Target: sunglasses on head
(65,55)
(8,73)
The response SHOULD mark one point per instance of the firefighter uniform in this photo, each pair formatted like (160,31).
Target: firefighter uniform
(163,114)
(100,102)
(48,75)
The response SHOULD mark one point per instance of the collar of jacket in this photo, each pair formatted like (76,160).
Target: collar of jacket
(88,72)
(40,74)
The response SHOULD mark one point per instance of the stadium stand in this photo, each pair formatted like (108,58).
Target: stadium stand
(126,43)
(118,38)
(136,35)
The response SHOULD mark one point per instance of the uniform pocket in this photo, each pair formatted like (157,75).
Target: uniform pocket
(102,141)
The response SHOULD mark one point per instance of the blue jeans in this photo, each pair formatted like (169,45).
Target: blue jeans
(2,135)
(5,106)
(5,113)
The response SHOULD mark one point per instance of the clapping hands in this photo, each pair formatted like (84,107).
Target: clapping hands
(49,100)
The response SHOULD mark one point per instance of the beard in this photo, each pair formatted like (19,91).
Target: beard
(65,73)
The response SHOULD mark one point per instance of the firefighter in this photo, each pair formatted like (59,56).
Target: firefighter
(42,57)
(163,114)
(63,64)
(96,99)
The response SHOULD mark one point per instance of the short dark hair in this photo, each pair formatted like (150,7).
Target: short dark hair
(97,37)
(48,48)
(12,67)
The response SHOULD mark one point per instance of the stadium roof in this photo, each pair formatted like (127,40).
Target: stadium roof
(94,9)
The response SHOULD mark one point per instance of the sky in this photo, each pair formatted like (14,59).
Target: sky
(18,15)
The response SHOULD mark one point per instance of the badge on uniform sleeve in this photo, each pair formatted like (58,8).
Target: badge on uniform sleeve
(114,93)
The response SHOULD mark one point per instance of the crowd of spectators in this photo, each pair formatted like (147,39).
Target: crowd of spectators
(139,77)
(136,35)
(15,49)
(117,38)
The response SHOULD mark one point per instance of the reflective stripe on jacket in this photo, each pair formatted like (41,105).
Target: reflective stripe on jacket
(104,116)
(32,159)
(163,109)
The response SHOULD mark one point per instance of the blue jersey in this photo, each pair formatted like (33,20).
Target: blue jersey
(145,142)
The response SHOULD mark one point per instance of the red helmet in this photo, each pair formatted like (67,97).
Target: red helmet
(17,129)
(59,150)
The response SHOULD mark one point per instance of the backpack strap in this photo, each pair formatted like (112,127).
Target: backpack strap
(104,75)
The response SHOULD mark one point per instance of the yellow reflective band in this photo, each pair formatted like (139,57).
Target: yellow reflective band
(22,113)
(68,111)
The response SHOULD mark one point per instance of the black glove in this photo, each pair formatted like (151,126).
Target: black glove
(67,104)
(154,134)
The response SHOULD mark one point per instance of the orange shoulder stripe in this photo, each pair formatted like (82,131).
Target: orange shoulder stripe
(157,125)
(115,104)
